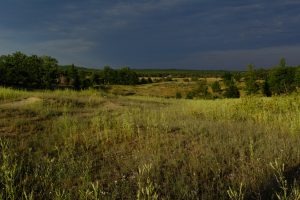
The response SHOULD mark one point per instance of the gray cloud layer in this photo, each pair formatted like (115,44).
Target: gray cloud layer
(154,33)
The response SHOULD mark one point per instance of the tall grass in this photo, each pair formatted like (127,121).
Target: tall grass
(83,145)
(10,94)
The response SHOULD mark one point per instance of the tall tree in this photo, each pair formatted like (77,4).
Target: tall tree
(250,81)
(232,91)
(74,76)
(109,75)
(216,87)
(228,79)
(3,71)
(127,77)
(281,80)
(50,72)
(95,78)
(297,77)
(266,88)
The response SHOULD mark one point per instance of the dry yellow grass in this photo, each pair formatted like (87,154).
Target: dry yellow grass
(84,145)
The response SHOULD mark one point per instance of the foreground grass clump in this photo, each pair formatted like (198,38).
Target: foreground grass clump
(82,145)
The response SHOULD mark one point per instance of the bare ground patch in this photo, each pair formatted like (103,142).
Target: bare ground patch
(22,102)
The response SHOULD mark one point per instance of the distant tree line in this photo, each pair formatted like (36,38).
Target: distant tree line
(43,72)
(281,79)
(22,71)
(179,73)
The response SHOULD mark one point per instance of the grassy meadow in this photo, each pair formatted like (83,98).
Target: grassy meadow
(167,89)
(93,145)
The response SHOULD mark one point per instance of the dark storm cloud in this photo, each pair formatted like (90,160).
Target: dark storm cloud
(154,33)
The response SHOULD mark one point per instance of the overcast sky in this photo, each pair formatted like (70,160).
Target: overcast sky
(199,34)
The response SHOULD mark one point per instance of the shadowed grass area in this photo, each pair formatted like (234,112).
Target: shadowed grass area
(84,145)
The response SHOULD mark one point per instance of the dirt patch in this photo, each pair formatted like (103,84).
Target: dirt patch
(22,102)
(112,106)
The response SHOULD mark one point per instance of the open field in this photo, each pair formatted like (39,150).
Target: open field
(91,145)
(163,89)
(166,89)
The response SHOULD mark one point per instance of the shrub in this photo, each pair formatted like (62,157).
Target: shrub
(216,87)
(190,95)
(178,95)
(194,79)
(232,92)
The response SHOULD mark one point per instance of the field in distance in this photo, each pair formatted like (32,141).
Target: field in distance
(93,145)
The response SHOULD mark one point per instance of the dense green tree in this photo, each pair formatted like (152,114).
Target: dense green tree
(16,70)
(261,74)
(125,76)
(232,92)
(95,78)
(143,81)
(250,81)
(49,72)
(228,79)
(3,70)
(297,77)
(178,95)
(20,70)
(237,76)
(266,88)
(216,87)
(281,80)
(190,95)
(74,77)
(149,80)
(109,75)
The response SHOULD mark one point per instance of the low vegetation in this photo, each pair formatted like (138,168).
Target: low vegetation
(147,134)
(33,72)
(94,145)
